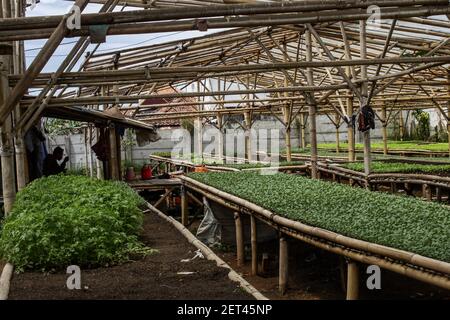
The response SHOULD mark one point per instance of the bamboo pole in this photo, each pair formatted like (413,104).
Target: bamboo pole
(312,107)
(254,242)
(113,160)
(287,121)
(240,250)
(352,281)
(283,266)
(448,113)
(38,64)
(6,147)
(89,151)
(213,11)
(229,22)
(6,137)
(338,139)
(19,142)
(86,156)
(385,136)
(248,136)
(364,96)
(221,136)
(98,164)
(402,125)
(303,131)
(184,207)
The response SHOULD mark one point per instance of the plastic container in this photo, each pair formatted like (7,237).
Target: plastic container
(146,172)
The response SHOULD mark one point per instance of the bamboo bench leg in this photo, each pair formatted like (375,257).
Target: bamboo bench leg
(184,207)
(283,265)
(352,281)
(427,193)
(239,239)
(439,194)
(393,187)
(254,241)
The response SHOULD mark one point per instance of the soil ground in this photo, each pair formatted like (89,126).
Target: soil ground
(154,277)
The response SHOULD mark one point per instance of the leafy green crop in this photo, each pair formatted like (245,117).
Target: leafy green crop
(400,222)
(257,165)
(63,220)
(393,145)
(163,154)
(399,167)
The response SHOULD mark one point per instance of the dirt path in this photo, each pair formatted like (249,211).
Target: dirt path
(154,277)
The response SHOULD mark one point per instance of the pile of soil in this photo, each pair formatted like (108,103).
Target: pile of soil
(154,277)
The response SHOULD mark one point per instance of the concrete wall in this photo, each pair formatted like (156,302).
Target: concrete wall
(75,146)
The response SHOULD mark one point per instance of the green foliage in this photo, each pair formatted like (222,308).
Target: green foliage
(129,140)
(400,167)
(241,166)
(63,220)
(56,127)
(401,222)
(163,154)
(393,145)
(422,131)
(79,170)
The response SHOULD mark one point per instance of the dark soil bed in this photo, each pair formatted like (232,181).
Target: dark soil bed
(154,277)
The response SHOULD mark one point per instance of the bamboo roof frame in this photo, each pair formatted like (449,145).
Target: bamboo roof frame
(256,58)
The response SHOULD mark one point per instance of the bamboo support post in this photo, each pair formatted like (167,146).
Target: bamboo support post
(240,250)
(98,163)
(385,137)
(401,125)
(254,242)
(364,94)
(113,160)
(343,273)
(198,137)
(6,141)
(184,206)
(19,142)
(21,161)
(248,136)
(338,139)
(287,123)
(220,144)
(7,165)
(439,194)
(302,132)
(89,151)
(352,281)
(283,266)
(312,107)
(350,132)
(427,192)
(448,113)
(86,156)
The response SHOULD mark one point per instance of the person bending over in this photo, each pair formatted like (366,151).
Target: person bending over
(51,165)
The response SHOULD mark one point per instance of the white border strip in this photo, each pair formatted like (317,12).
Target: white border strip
(5,281)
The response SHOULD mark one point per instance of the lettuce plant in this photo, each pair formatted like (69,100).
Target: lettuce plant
(63,220)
